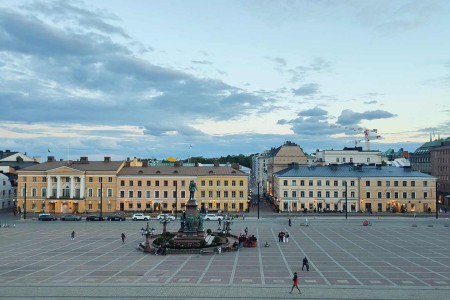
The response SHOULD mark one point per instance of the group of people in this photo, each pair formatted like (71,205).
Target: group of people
(295,277)
(283,237)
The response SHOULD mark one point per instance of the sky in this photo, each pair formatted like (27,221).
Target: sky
(158,79)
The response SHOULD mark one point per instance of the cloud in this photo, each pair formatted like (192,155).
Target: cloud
(309,89)
(348,117)
(318,65)
(201,62)
(371,102)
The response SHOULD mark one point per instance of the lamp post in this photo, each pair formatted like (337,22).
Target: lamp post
(437,197)
(258,199)
(101,199)
(346,208)
(25,203)
(176,199)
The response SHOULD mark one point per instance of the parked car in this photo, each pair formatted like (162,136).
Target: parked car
(116,218)
(139,217)
(161,217)
(70,218)
(47,217)
(94,218)
(212,217)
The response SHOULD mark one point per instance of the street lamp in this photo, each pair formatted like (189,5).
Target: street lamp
(437,197)
(258,199)
(346,208)
(176,199)
(101,199)
(25,203)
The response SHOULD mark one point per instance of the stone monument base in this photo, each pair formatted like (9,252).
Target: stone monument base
(187,237)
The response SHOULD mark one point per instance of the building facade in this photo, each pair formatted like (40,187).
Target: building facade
(105,186)
(440,168)
(354,155)
(354,188)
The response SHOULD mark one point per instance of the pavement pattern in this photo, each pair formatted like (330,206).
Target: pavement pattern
(390,259)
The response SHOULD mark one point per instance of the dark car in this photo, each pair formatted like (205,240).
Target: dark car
(94,218)
(116,218)
(70,218)
(46,217)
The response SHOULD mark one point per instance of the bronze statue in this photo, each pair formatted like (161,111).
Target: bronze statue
(192,189)
(190,222)
(200,222)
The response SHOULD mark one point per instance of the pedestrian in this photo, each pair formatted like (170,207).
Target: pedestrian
(243,216)
(246,231)
(290,222)
(72,235)
(295,283)
(123,238)
(220,222)
(287,237)
(305,264)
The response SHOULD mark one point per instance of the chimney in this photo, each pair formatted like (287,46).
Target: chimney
(84,159)
(50,158)
(107,159)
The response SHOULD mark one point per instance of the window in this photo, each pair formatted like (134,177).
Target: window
(174,194)
(175,183)
(379,183)
(122,183)
(294,194)
(90,179)
(285,182)
(34,179)
(343,159)
(425,194)
(183,194)
(44,192)
(131,182)
(352,194)
(241,194)
(110,179)
(233,194)
(405,195)
(367,182)
(138,205)
(156,194)
(302,182)
(388,195)
(225,183)
(327,194)
(90,192)
(395,183)
(233,205)
(100,179)
(166,183)
(319,182)
(148,194)
(148,183)
(130,194)
(217,182)
(130,205)
(157,183)
(233,183)
(335,194)
(413,183)
(99,192)
(44,179)
(109,192)
(210,194)
(285,193)
(327,182)
(337,159)
(368,159)
(139,182)
(352,183)
(294,182)
(203,183)
(33,192)
(241,182)
(225,194)
(368,195)
(379,194)
(396,195)
(165,194)
(388,183)
(218,206)
(335,183)
(413,195)
(202,194)
(210,183)
(319,194)
(302,194)
(139,194)
(310,194)
(404,183)
(425,183)
(311,183)
(217,194)
(122,194)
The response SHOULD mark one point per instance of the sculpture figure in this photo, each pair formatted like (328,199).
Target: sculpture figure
(192,189)
(190,222)
(200,222)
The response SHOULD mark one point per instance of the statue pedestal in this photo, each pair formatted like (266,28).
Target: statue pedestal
(192,235)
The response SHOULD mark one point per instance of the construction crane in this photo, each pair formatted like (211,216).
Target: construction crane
(369,134)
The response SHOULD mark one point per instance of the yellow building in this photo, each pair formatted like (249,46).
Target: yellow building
(105,186)
(363,188)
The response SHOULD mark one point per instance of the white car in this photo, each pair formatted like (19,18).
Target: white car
(161,217)
(137,217)
(212,217)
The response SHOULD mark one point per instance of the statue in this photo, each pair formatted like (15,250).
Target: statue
(190,222)
(183,222)
(200,222)
(192,189)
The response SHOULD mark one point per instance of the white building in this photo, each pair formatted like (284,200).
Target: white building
(348,155)
(7,192)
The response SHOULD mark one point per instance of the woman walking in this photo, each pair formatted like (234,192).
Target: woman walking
(295,283)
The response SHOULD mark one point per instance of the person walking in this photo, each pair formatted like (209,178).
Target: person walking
(72,235)
(123,238)
(295,283)
(305,264)
(220,222)
(287,237)
(246,231)
(290,222)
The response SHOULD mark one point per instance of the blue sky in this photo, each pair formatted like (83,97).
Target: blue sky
(149,78)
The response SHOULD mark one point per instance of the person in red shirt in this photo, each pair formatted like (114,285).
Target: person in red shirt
(295,283)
